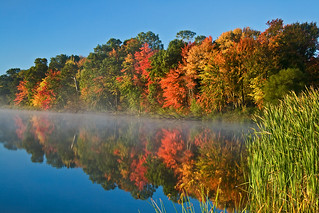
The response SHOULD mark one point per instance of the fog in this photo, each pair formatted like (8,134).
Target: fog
(74,121)
(135,154)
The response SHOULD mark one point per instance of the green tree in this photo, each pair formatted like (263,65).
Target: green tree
(36,73)
(130,46)
(98,77)
(185,35)
(199,39)
(165,60)
(58,62)
(8,85)
(298,44)
(114,43)
(174,53)
(129,92)
(151,39)
(68,91)
(280,84)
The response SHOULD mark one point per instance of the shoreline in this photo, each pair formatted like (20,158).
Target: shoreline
(227,117)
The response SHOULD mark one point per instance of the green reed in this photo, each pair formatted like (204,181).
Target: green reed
(283,156)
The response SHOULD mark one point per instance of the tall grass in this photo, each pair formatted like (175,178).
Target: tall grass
(283,157)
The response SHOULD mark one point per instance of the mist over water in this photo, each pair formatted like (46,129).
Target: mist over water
(144,157)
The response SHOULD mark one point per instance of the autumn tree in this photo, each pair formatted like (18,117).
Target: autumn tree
(198,58)
(31,78)
(232,72)
(22,93)
(45,95)
(286,47)
(176,85)
(136,83)
(235,60)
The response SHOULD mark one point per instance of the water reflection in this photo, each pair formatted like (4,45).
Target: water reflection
(135,155)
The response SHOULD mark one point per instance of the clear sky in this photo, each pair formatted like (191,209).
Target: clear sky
(31,29)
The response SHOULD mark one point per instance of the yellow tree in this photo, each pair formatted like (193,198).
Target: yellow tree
(236,60)
(45,96)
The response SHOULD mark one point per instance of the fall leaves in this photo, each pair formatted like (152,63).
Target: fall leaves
(235,71)
(44,96)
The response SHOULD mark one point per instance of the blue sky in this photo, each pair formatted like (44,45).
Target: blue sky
(45,28)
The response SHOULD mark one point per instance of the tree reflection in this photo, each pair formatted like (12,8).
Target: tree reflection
(137,156)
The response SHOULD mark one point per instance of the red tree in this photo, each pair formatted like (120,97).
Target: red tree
(141,77)
(177,84)
(22,94)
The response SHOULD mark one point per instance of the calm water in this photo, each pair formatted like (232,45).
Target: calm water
(96,163)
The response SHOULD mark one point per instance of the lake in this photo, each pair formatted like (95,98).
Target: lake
(59,162)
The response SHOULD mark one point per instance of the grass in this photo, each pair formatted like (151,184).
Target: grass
(283,156)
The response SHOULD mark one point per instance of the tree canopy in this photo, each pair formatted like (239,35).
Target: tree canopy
(193,75)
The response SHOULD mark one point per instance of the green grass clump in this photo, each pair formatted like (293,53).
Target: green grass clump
(283,157)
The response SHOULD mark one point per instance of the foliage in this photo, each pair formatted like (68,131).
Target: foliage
(9,85)
(22,94)
(185,35)
(282,83)
(45,96)
(151,39)
(242,68)
(141,77)
(175,85)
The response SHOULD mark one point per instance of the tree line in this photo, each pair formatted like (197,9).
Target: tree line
(193,75)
